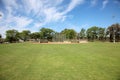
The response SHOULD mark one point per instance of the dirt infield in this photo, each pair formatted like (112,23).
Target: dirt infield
(65,42)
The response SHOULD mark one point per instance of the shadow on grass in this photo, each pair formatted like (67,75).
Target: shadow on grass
(2,78)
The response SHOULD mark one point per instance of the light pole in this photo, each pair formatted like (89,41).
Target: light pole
(93,35)
(114,36)
(113,31)
(0,34)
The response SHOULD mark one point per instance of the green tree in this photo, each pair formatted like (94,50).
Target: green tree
(92,33)
(35,35)
(1,39)
(46,33)
(101,33)
(82,33)
(114,32)
(25,35)
(12,35)
(0,36)
(69,33)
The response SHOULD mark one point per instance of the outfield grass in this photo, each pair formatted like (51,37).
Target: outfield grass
(91,61)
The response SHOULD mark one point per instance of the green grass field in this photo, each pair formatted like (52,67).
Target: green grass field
(90,61)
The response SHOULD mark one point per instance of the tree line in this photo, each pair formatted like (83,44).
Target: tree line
(112,33)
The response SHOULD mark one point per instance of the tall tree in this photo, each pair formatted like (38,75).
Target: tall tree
(46,33)
(92,33)
(101,33)
(70,33)
(0,36)
(114,32)
(1,40)
(12,35)
(25,35)
(35,35)
(82,33)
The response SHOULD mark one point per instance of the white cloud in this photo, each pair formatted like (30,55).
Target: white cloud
(22,21)
(19,14)
(34,6)
(104,3)
(117,1)
(72,5)
(2,31)
(53,13)
(93,2)
(10,4)
(18,23)
(48,10)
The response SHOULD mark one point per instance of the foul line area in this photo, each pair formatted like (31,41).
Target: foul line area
(60,42)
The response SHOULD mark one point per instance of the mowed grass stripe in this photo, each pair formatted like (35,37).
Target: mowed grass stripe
(92,61)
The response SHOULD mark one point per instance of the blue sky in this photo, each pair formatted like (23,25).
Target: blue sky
(57,14)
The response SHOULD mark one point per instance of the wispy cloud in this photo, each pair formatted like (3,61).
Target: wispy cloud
(21,14)
(117,1)
(72,5)
(93,3)
(104,3)
(22,21)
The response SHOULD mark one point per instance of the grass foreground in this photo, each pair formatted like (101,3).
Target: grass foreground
(91,61)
